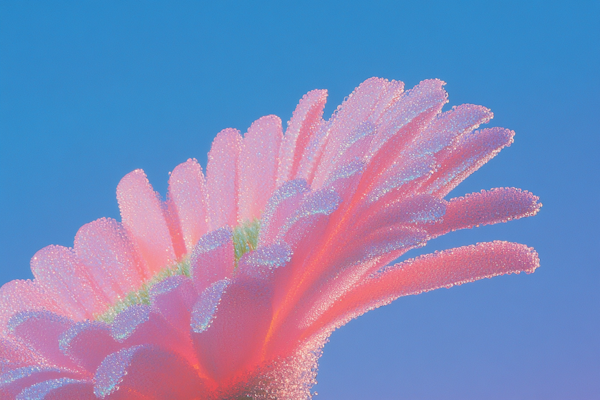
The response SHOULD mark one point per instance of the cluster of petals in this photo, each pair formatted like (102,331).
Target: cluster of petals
(335,202)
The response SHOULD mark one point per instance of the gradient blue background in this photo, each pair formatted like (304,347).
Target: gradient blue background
(90,90)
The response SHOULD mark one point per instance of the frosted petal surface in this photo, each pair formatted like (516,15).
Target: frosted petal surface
(231,286)
(223,178)
(106,251)
(62,275)
(142,215)
(188,194)
(213,258)
(59,389)
(302,127)
(259,160)
(147,371)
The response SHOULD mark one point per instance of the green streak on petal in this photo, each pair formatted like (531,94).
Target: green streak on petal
(142,295)
(245,238)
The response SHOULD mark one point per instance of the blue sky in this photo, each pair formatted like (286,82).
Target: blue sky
(92,90)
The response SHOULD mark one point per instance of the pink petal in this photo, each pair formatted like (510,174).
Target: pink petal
(410,108)
(15,354)
(27,295)
(62,274)
(229,326)
(110,257)
(15,381)
(41,331)
(305,239)
(213,258)
(311,157)
(142,215)
(406,120)
(174,298)
(389,243)
(450,125)
(344,180)
(146,372)
(87,343)
(263,261)
(305,121)
(174,225)
(418,209)
(139,324)
(287,332)
(258,164)
(302,221)
(222,178)
(486,208)
(280,207)
(189,196)
(429,272)
(59,389)
(355,148)
(355,110)
(398,177)
(471,152)
(387,100)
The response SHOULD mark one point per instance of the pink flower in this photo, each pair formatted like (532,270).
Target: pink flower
(231,287)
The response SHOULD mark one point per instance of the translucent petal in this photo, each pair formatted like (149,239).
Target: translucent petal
(189,198)
(213,258)
(59,389)
(109,256)
(142,215)
(301,128)
(41,330)
(63,275)
(146,372)
(222,178)
(139,324)
(485,208)
(258,164)
(87,343)
(429,272)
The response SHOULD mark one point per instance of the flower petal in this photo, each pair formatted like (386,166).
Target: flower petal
(62,274)
(263,261)
(146,372)
(15,381)
(416,106)
(15,354)
(110,257)
(305,121)
(213,258)
(356,110)
(222,178)
(280,207)
(139,324)
(189,196)
(174,298)
(29,295)
(449,126)
(231,341)
(87,343)
(142,215)
(258,164)
(486,208)
(59,389)
(442,269)
(41,330)
(471,152)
